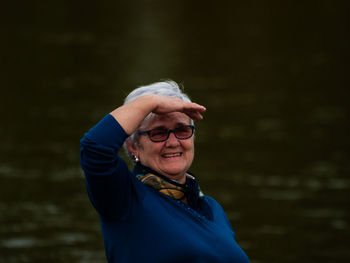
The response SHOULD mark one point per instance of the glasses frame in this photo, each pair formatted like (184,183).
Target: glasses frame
(169,131)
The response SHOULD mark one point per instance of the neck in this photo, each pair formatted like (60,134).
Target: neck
(177,178)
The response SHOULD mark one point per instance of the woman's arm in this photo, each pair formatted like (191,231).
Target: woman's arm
(108,179)
(133,113)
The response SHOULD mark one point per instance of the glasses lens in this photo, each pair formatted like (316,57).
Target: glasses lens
(158,134)
(183,132)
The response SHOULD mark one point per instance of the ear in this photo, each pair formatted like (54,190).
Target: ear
(132,148)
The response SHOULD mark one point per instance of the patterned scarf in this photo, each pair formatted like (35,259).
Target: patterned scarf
(174,190)
(189,190)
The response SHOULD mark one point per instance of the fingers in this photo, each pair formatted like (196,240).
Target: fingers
(196,116)
(193,110)
(169,104)
(194,106)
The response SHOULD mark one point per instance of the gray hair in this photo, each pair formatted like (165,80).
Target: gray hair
(166,88)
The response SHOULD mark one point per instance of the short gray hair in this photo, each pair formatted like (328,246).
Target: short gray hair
(166,88)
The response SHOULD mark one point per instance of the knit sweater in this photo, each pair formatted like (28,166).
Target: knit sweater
(140,224)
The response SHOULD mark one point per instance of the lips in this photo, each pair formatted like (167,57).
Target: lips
(171,155)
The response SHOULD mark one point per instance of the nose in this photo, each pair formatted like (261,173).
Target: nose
(172,141)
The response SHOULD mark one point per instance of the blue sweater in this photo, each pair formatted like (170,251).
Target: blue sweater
(138,223)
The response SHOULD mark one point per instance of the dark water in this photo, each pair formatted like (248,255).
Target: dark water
(273,148)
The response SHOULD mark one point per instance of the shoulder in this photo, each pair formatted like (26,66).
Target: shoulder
(214,205)
(212,202)
(218,211)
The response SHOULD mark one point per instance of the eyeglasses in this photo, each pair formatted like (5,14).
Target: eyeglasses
(162,134)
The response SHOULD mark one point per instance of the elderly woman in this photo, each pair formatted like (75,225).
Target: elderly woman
(156,213)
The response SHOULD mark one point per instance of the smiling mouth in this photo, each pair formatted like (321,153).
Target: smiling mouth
(171,155)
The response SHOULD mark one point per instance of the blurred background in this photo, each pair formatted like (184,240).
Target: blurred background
(273,147)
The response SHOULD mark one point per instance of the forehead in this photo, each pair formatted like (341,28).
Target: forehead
(168,120)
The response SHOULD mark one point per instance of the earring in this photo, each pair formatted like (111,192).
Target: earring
(136,159)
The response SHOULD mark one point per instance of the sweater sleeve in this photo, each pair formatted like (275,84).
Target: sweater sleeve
(110,186)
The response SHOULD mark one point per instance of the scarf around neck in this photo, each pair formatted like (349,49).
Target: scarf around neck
(189,190)
(170,189)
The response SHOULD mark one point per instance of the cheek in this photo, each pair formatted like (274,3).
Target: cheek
(189,146)
(190,143)
(149,148)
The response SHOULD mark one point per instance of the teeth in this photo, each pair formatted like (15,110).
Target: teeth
(171,155)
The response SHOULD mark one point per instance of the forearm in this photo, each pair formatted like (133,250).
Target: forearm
(133,113)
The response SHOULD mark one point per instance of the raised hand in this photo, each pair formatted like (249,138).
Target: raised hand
(167,104)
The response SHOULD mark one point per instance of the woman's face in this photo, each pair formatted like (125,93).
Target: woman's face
(171,158)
